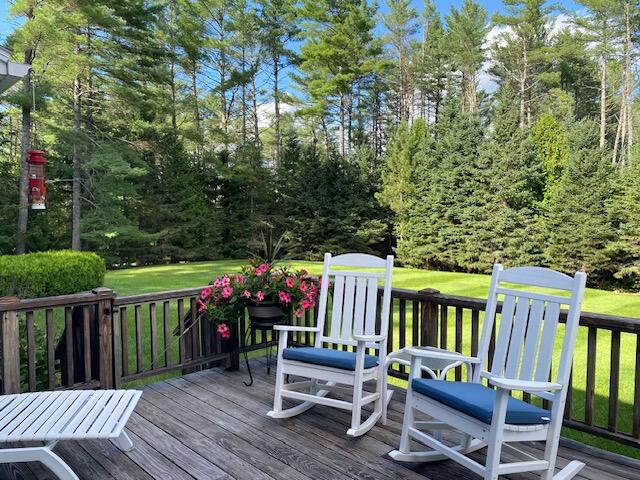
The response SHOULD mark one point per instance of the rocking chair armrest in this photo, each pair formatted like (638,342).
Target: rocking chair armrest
(442,355)
(523,385)
(295,328)
(369,338)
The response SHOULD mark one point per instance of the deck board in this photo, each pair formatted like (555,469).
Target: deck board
(209,426)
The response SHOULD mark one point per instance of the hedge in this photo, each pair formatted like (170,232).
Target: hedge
(50,273)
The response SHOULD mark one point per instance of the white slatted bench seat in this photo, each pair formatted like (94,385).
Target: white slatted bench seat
(63,415)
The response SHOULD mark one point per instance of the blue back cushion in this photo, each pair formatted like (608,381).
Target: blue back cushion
(476,400)
(327,357)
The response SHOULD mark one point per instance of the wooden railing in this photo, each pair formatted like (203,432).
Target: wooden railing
(122,339)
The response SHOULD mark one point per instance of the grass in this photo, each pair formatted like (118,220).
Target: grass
(170,277)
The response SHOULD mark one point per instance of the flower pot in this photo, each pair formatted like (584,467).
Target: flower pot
(267,313)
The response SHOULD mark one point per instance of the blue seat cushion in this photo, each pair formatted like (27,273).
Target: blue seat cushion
(476,400)
(327,357)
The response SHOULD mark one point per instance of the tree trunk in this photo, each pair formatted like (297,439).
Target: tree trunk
(196,112)
(244,97)
(23,208)
(23,211)
(254,100)
(341,125)
(276,107)
(603,103)
(77,167)
(523,87)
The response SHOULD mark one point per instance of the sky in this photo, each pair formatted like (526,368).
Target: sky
(492,6)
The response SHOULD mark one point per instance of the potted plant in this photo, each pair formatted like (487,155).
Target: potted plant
(270,293)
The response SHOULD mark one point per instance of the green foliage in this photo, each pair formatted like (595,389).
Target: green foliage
(579,228)
(552,147)
(329,204)
(397,173)
(451,202)
(50,273)
(625,211)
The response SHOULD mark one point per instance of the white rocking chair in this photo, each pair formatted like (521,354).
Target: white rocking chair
(353,324)
(50,417)
(521,362)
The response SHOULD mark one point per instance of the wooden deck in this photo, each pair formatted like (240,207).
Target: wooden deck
(208,425)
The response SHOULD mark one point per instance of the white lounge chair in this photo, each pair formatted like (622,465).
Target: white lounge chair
(49,417)
(521,362)
(353,324)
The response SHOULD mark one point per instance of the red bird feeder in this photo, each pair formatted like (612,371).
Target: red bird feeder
(37,185)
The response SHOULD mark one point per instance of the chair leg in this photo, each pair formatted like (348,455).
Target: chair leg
(407,423)
(494,450)
(123,442)
(43,455)
(356,412)
(56,465)
(384,398)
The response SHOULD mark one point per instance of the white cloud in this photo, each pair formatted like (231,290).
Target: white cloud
(266,113)
(486,81)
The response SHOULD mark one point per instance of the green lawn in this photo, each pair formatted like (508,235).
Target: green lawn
(171,277)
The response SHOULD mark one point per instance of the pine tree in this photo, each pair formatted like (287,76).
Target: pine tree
(451,201)
(397,173)
(552,147)
(466,32)
(520,53)
(579,228)
(401,24)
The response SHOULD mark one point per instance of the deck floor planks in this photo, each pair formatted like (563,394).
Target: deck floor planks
(346,456)
(288,450)
(209,426)
(270,466)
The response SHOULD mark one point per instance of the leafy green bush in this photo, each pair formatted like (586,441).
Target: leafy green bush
(44,274)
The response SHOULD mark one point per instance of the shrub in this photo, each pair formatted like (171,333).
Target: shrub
(44,274)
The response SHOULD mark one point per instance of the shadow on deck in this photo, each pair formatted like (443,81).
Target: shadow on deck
(208,425)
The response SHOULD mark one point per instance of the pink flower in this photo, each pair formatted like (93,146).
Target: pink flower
(298,313)
(303,287)
(240,278)
(260,296)
(223,330)
(217,283)
(226,281)
(284,297)
(206,293)
(246,294)
(202,307)
(305,304)
(289,282)
(227,292)
(261,269)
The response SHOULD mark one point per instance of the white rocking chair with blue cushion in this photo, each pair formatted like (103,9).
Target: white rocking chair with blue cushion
(353,324)
(491,417)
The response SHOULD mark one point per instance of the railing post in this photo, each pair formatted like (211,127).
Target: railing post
(10,344)
(429,335)
(105,337)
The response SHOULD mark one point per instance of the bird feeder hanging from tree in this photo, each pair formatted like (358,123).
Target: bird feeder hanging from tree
(37,180)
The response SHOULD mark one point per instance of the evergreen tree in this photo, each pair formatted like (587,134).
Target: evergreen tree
(451,202)
(552,147)
(579,227)
(397,174)
(466,32)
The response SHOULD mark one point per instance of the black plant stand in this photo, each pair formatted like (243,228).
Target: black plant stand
(264,327)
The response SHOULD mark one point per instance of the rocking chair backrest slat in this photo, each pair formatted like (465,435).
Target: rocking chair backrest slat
(355,297)
(551,317)
(336,313)
(528,323)
(531,339)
